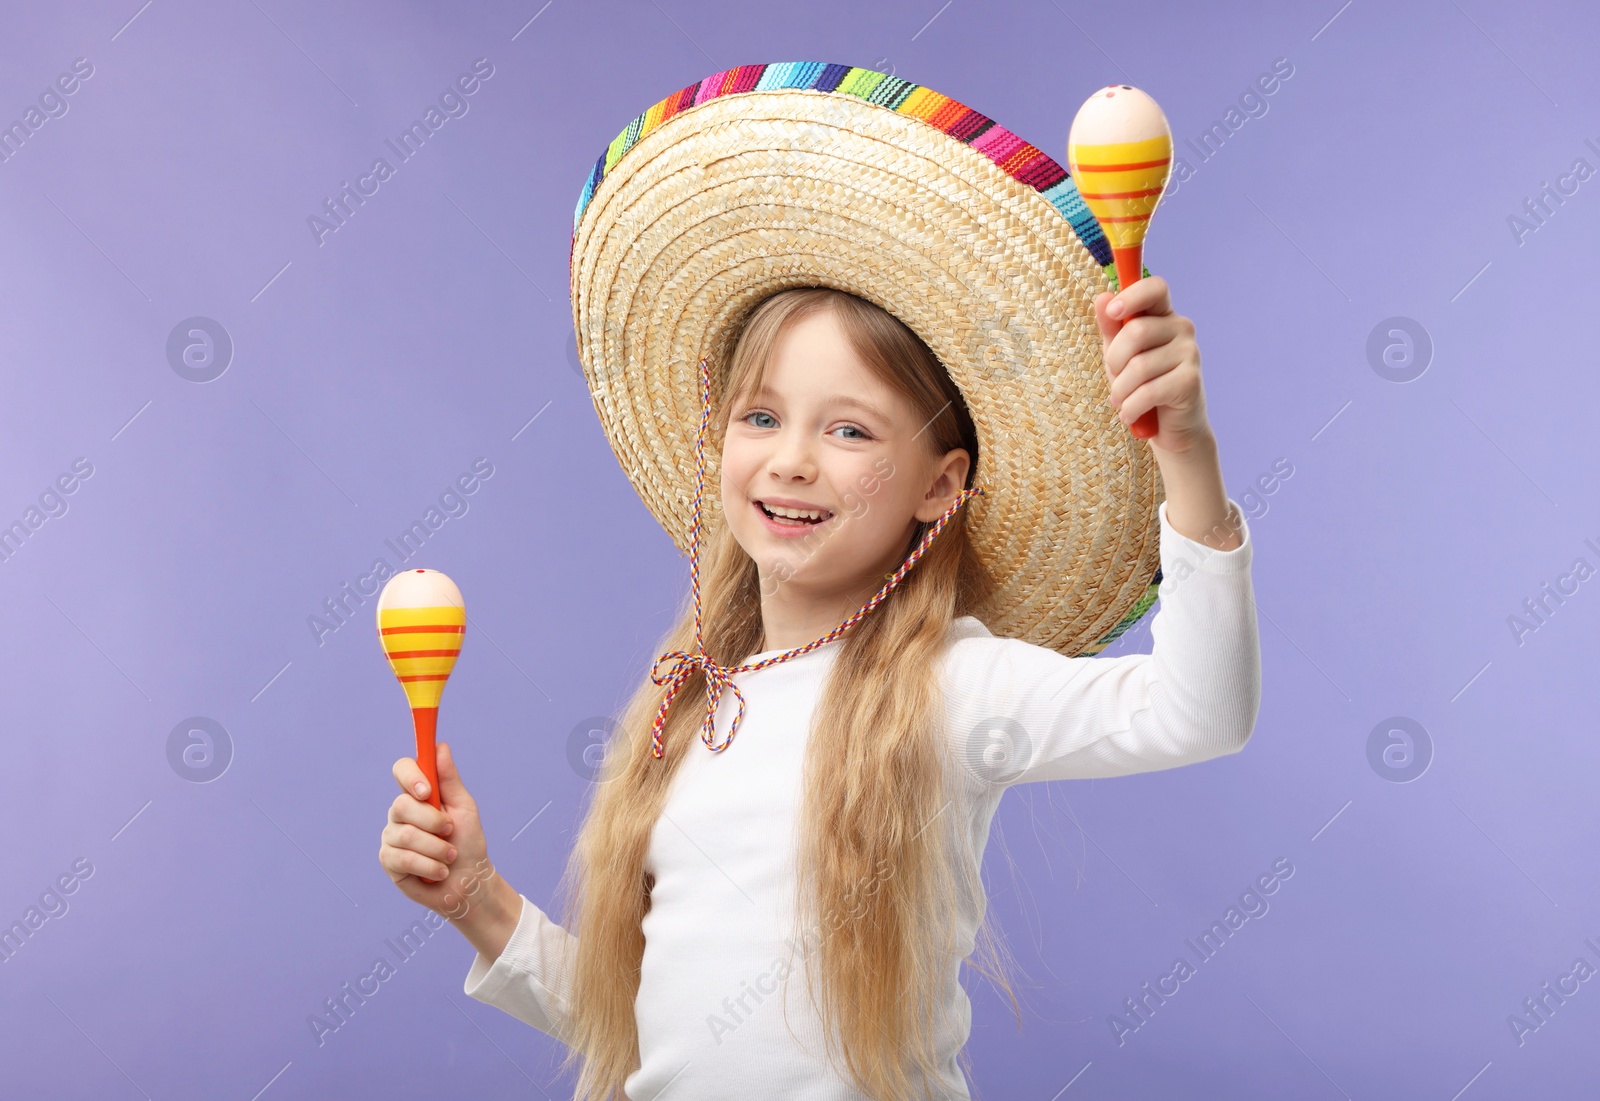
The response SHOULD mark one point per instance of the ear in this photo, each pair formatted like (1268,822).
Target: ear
(949,478)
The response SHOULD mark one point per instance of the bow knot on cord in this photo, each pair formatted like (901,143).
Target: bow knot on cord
(718,678)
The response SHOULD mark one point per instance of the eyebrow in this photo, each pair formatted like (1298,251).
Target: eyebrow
(836,399)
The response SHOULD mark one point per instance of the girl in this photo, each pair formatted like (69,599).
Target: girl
(786,917)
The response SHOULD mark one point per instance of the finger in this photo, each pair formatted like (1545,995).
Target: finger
(1163,390)
(1108,326)
(400,863)
(1113,353)
(420,813)
(407,862)
(1142,369)
(1148,295)
(407,836)
(1136,335)
(451,789)
(408,774)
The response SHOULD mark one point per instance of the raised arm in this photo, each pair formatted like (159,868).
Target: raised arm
(1021,713)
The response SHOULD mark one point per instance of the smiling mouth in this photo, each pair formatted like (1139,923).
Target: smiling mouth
(789,522)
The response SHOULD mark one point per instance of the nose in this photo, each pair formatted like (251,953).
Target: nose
(791,457)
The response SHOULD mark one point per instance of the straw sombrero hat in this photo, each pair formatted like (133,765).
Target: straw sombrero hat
(765,177)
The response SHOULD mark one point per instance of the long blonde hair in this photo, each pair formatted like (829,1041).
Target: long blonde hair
(877,795)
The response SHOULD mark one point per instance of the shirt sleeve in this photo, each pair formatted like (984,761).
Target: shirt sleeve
(531,979)
(1023,713)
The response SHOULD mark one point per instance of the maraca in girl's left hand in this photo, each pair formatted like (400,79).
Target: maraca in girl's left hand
(1119,151)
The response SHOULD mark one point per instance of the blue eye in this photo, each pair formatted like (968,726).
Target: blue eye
(864,434)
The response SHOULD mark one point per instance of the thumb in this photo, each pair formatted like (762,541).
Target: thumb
(451,789)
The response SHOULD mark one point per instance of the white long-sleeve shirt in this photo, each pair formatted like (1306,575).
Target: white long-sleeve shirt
(719,935)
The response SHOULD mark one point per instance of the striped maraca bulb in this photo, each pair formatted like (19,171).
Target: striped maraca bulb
(1119,150)
(421,620)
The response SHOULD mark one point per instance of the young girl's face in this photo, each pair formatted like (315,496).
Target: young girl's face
(825,436)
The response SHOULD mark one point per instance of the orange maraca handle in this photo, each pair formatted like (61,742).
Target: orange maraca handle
(426,721)
(1130,269)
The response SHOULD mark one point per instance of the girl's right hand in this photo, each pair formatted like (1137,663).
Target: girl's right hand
(437,857)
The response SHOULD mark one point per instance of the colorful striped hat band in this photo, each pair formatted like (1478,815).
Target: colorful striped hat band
(719,677)
(804,174)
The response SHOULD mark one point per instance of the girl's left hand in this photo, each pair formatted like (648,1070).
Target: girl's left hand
(1153,362)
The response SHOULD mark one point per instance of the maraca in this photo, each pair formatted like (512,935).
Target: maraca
(421,620)
(1119,150)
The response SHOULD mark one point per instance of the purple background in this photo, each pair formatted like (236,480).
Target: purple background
(372,370)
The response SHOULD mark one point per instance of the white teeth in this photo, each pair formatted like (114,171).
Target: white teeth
(792,513)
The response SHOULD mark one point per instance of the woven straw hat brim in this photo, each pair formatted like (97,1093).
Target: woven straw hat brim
(712,205)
